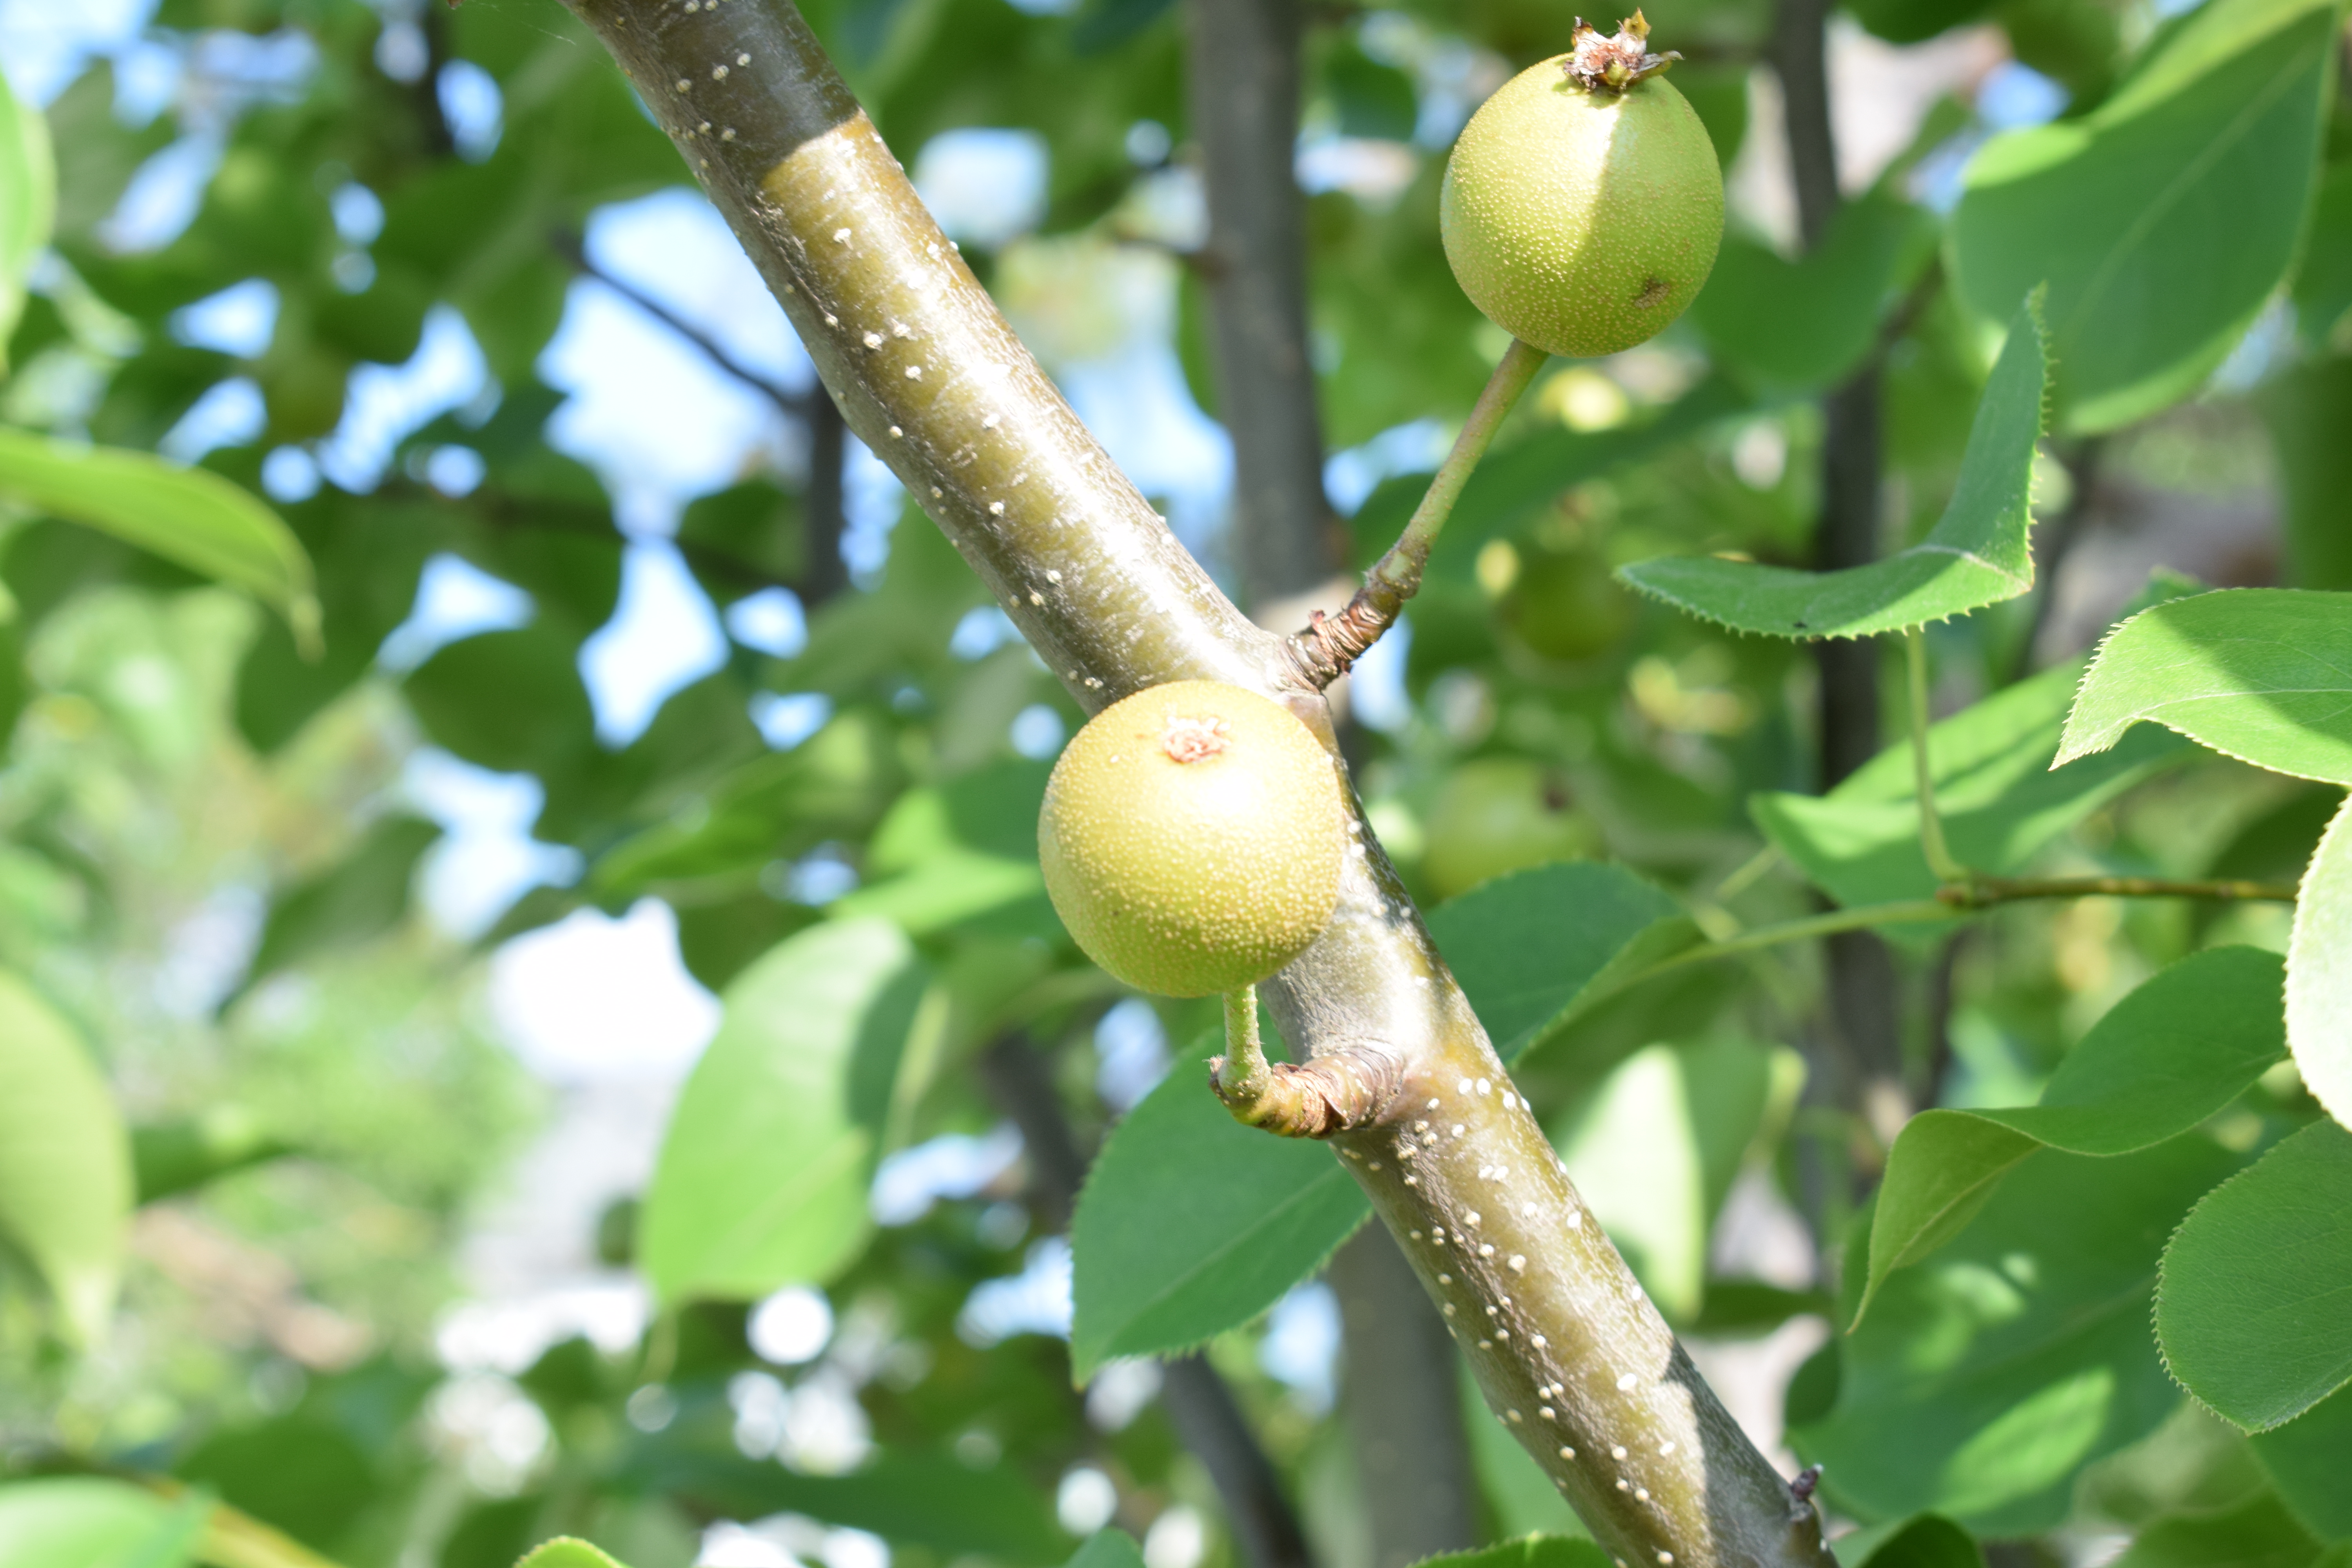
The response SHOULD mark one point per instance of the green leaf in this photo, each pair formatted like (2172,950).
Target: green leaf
(1803,325)
(2264,675)
(300,1472)
(1976,555)
(777,806)
(2323,286)
(1108,1549)
(1640,1149)
(28,203)
(1527,1551)
(2257,1534)
(174,1157)
(567,1552)
(763,1172)
(87,1521)
(355,900)
(2307,1461)
(1999,800)
(911,1498)
(190,516)
(1194,1223)
(2162,221)
(1533,948)
(1985,1378)
(2177,1050)
(1191,1223)
(509,701)
(65,1161)
(2319,972)
(2309,407)
(1929,1541)
(2255,1310)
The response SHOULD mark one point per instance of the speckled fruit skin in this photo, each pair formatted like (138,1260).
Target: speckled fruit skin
(1581,221)
(1192,877)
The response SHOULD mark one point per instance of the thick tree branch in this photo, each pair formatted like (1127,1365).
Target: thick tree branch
(931,378)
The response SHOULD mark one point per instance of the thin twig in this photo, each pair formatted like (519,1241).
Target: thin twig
(499,510)
(1983,892)
(1323,652)
(1977,892)
(794,404)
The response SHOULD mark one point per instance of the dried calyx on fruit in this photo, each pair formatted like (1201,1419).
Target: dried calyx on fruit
(1193,837)
(1618,61)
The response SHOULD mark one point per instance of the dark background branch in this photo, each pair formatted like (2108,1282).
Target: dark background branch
(1861,1048)
(1403,1401)
(1244,89)
(1200,1407)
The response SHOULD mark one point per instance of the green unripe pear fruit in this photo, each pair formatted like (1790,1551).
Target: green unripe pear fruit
(1583,203)
(1193,837)
(1501,813)
(1566,606)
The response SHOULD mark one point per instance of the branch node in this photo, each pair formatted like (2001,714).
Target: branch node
(1337,1092)
(1330,644)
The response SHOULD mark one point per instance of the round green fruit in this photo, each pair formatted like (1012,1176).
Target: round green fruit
(1565,604)
(1192,839)
(1581,215)
(1498,815)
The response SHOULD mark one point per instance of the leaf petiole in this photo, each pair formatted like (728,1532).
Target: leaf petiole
(1940,860)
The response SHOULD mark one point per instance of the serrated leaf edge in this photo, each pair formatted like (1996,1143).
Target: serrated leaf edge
(1872,1280)
(2156,1304)
(2340,824)
(2043,415)
(2068,752)
(1083,1368)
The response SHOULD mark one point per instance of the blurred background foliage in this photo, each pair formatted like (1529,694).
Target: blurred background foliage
(640,680)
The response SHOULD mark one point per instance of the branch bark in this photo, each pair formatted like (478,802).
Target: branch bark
(1560,1336)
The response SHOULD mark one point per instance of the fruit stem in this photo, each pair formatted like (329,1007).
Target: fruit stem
(1330,643)
(1337,1091)
(1241,1074)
